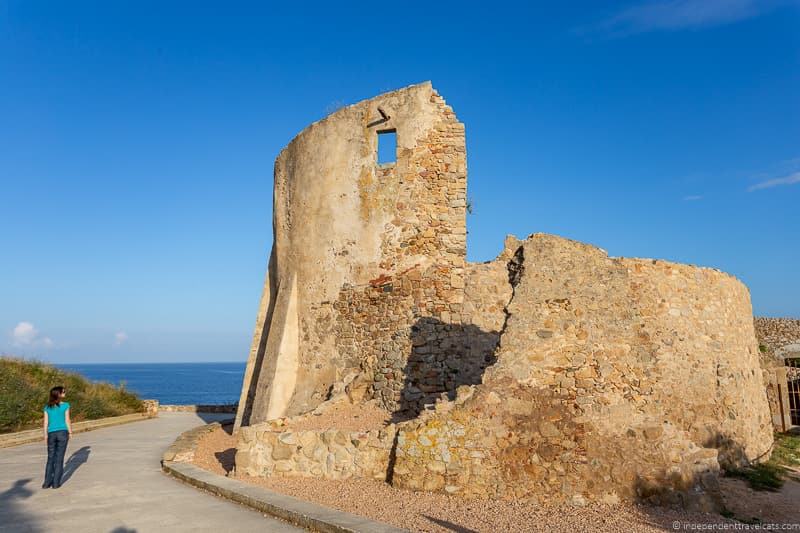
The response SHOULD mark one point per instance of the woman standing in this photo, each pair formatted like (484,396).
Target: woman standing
(57,430)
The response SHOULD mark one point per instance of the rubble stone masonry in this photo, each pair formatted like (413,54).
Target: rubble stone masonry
(553,372)
(615,378)
(368,260)
(779,339)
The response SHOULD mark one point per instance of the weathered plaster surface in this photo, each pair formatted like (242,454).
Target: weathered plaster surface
(347,229)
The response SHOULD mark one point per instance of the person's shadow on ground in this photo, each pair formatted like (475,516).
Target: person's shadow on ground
(12,514)
(74,462)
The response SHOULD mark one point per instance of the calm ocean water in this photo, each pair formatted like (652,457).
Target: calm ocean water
(172,383)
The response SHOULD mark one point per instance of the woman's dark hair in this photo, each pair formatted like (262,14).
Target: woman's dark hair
(55,396)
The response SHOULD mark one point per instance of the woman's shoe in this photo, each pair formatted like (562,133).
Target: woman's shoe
(46,486)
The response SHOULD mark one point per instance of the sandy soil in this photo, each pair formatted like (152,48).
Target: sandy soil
(216,451)
(345,416)
(444,514)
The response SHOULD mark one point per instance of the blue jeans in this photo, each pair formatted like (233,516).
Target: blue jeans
(56,448)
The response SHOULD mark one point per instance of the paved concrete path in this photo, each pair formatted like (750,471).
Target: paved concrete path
(113,483)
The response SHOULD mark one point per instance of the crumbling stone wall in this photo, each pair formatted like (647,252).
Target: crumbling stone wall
(778,338)
(364,256)
(269,450)
(407,308)
(557,372)
(424,333)
(368,272)
(614,378)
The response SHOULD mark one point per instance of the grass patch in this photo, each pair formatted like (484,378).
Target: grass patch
(771,475)
(764,476)
(787,451)
(24,388)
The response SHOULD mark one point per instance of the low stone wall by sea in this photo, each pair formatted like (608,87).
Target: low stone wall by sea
(150,407)
(229,408)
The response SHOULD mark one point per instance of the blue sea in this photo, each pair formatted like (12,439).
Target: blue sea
(172,383)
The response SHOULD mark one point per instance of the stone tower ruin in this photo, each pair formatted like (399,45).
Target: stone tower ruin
(363,252)
(552,372)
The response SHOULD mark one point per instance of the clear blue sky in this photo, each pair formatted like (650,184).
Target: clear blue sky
(137,141)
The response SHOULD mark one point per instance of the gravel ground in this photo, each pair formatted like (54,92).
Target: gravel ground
(444,514)
(750,505)
(345,416)
(216,451)
(439,513)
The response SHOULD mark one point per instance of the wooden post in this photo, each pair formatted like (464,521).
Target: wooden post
(780,406)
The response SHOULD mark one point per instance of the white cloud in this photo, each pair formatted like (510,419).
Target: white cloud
(667,15)
(692,198)
(120,338)
(791,179)
(26,334)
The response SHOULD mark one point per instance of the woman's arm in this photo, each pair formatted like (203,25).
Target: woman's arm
(44,426)
(69,422)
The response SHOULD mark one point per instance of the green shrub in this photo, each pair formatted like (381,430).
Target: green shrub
(25,385)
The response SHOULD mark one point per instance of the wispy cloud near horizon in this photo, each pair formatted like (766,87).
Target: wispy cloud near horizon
(673,15)
(26,334)
(791,179)
(120,338)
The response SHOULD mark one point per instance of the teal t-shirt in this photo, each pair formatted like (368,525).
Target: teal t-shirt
(56,420)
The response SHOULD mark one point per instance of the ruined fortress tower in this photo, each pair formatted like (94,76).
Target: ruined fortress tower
(361,253)
(552,372)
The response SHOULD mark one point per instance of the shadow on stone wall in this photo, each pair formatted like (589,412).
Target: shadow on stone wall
(443,357)
(662,506)
(700,491)
(731,454)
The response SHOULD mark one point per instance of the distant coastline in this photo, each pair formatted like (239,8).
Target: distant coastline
(171,383)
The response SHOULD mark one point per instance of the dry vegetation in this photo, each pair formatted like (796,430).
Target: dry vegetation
(24,388)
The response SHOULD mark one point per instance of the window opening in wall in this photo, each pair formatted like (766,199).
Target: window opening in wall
(387,147)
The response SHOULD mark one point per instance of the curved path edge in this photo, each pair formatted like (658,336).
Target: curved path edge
(295,511)
(298,512)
